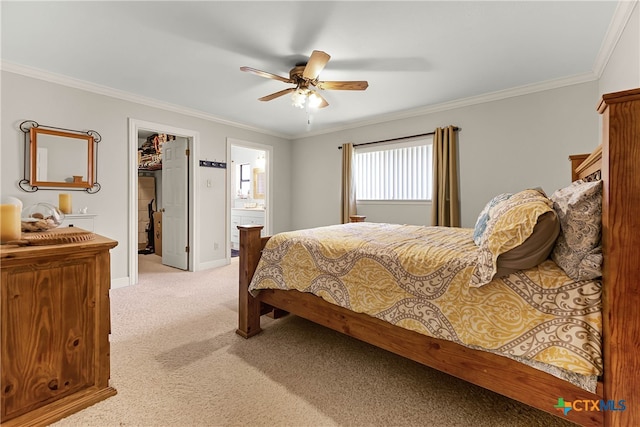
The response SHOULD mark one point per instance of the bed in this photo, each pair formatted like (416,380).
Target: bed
(611,399)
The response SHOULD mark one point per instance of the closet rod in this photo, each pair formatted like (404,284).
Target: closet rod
(397,139)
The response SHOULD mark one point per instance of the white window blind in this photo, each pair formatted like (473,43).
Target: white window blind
(400,171)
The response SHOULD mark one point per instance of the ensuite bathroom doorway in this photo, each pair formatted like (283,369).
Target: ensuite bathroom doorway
(249,188)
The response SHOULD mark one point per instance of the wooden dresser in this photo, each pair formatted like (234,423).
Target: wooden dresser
(55,330)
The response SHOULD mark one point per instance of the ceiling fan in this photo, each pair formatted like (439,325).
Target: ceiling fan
(305,78)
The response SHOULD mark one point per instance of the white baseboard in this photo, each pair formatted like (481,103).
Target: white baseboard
(213,264)
(120,282)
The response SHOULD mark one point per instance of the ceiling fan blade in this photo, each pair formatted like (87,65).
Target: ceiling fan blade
(277,94)
(267,75)
(315,65)
(352,85)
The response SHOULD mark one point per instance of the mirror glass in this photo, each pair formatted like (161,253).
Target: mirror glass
(61,159)
(259,183)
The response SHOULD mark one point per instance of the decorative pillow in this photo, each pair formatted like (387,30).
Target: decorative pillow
(510,223)
(534,250)
(578,249)
(483,218)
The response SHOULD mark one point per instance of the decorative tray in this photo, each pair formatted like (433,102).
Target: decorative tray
(55,237)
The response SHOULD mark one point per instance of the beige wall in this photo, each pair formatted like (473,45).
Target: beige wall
(504,145)
(26,98)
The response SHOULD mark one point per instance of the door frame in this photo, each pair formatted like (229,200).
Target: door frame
(193,137)
(268,156)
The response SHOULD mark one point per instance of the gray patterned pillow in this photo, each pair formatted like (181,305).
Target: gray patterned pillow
(578,250)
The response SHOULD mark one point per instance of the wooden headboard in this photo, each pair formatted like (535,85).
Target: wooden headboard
(587,166)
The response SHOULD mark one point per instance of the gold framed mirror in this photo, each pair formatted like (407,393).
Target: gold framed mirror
(59,158)
(259,183)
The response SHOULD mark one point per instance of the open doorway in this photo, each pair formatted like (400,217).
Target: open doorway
(163,193)
(162,221)
(249,188)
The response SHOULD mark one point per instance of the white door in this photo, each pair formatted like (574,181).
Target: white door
(175,190)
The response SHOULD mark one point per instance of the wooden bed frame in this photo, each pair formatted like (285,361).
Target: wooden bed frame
(620,172)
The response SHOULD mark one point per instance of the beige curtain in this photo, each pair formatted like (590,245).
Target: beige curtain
(445,209)
(348,185)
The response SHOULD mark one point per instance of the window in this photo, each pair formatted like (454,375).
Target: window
(400,171)
(245,178)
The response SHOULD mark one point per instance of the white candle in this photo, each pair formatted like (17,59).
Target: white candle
(64,203)
(9,222)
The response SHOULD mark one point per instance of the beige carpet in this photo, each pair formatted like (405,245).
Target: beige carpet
(176,361)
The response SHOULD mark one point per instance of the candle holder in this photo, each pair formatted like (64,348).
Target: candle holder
(64,203)
(10,219)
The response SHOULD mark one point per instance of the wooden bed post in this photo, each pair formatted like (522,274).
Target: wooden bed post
(248,307)
(621,240)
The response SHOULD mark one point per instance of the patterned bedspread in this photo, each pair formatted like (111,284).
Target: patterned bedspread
(418,278)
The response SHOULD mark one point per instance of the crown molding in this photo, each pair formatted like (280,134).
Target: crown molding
(621,17)
(460,103)
(430,109)
(126,96)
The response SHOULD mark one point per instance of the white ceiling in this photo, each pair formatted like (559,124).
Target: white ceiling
(415,55)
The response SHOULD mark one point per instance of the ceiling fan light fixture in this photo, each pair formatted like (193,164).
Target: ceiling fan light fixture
(299,97)
(313,100)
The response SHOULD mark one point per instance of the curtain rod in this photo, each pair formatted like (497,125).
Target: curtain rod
(397,139)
